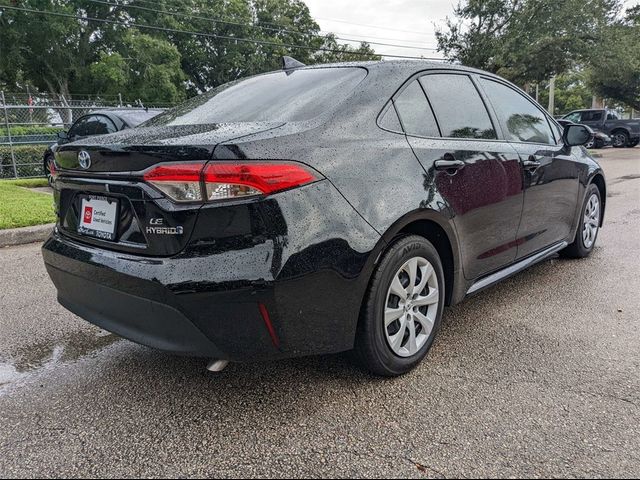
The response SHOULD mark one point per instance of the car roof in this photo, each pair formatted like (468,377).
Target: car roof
(408,65)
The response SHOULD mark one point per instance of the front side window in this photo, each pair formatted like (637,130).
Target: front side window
(415,113)
(459,110)
(79,129)
(100,125)
(573,117)
(273,97)
(520,118)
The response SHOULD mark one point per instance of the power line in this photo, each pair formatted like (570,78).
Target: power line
(179,4)
(217,20)
(326,32)
(375,26)
(208,35)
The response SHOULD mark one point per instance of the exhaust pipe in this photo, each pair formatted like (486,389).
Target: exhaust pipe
(217,365)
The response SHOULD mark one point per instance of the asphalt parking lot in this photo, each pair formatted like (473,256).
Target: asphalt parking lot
(536,377)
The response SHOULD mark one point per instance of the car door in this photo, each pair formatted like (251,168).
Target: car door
(550,170)
(475,173)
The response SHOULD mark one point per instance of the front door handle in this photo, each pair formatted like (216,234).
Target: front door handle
(449,164)
(531,164)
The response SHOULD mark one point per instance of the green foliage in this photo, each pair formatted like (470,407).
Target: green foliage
(66,56)
(152,72)
(30,130)
(526,40)
(615,72)
(20,207)
(27,182)
(24,154)
(572,92)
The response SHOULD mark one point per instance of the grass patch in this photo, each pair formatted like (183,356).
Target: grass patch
(20,207)
(27,182)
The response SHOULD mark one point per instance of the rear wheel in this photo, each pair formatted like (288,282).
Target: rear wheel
(589,226)
(634,142)
(620,139)
(403,308)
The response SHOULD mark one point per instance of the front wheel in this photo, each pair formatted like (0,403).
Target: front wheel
(589,226)
(634,142)
(403,308)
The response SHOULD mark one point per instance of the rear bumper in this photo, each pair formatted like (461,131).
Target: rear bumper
(293,290)
(125,295)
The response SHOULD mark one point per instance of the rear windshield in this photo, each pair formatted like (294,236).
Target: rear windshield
(274,97)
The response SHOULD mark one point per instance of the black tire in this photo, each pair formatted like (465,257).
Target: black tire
(372,348)
(620,139)
(598,143)
(47,168)
(578,249)
(634,142)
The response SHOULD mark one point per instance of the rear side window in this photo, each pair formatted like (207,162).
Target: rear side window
(460,111)
(415,112)
(389,119)
(591,116)
(521,119)
(274,97)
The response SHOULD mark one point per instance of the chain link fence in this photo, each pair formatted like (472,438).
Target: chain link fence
(30,123)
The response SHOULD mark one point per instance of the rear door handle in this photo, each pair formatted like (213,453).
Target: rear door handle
(532,163)
(449,164)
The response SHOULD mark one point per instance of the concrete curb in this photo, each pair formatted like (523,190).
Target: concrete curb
(21,236)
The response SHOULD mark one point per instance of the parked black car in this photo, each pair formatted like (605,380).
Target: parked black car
(100,122)
(318,210)
(623,133)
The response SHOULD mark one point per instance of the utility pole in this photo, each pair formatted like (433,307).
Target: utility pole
(537,92)
(552,95)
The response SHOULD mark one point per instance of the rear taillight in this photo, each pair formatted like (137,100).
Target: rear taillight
(195,182)
(180,182)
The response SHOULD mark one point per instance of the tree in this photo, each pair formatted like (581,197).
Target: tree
(145,67)
(525,40)
(615,68)
(157,52)
(571,92)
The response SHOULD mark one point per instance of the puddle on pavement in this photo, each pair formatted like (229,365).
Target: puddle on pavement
(39,356)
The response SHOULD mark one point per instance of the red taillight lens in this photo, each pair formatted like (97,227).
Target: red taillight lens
(227,180)
(180,182)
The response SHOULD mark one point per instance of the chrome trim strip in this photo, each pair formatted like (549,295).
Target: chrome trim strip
(515,268)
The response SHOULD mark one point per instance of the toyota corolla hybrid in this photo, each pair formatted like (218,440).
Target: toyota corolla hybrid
(318,209)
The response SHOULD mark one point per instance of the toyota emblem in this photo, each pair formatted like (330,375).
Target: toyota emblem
(84,159)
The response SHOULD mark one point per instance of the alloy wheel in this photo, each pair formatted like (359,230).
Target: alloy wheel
(619,140)
(411,307)
(591,221)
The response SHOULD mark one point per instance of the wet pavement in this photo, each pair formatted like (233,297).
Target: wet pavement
(538,376)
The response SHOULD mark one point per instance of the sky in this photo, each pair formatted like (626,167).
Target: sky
(410,23)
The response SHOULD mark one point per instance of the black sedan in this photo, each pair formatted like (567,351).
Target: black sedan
(317,210)
(100,122)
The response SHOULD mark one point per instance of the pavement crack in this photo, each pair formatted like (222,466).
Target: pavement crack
(425,468)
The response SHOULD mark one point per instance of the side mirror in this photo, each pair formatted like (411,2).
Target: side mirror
(576,135)
(63,136)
